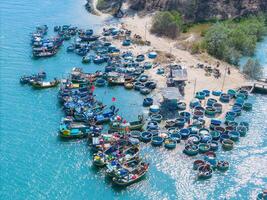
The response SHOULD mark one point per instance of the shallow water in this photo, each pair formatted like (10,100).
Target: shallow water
(35,164)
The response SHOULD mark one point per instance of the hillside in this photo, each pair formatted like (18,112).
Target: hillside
(192,10)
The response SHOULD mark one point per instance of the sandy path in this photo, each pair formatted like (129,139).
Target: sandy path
(196,77)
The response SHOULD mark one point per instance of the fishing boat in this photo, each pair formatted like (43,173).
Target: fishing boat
(116,80)
(191,149)
(123,125)
(128,85)
(73,133)
(203,147)
(222,165)
(100,159)
(156,141)
(117,169)
(106,116)
(100,82)
(43,85)
(204,172)
(146,136)
(132,177)
(86,59)
(198,163)
(148,102)
(170,143)
(262,195)
(227,144)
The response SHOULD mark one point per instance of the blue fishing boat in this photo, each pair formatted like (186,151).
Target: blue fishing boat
(156,117)
(157,141)
(234,135)
(222,165)
(204,172)
(193,138)
(146,136)
(198,163)
(147,102)
(214,146)
(152,55)
(140,58)
(227,144)
(126,42)
(106,116)
(181,106)
(170,143)
(191,149)
(203,147)
(132,177)
(185,132)
(100,82)
(176,136)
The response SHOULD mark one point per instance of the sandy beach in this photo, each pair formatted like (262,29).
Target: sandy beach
(197,80)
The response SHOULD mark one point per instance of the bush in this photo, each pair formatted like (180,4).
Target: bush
(253,69)
(230,40)
(102,4)
(196,47)
(167,23)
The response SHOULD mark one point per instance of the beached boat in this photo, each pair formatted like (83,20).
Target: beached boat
(43,85)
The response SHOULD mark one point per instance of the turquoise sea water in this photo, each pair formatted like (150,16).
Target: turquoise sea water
(35,164)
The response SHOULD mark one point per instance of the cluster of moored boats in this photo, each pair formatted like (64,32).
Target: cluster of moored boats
(202,129)
(85,117)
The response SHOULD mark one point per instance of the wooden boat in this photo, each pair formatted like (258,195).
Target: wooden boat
(116,81)
(146,136)
(133,176)
(203,147)
(198,163)
(115,168)
(100,159)
(227,144)
(170,143)
(134,125)
(191,149)
(72,134)
(157,141)
(43,85)
(204,172)
(44,54)
(106,116)
(222,165)
(68,124)
(129,86)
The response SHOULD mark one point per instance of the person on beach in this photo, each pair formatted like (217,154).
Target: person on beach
(229,72)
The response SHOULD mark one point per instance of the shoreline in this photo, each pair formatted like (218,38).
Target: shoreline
(197,80)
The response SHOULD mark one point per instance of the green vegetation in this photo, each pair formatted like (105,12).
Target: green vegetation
(229,40)
(167,23)
(102,4)
(253,69)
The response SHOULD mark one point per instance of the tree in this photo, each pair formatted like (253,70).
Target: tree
(253,69)
(167,23)
(216,40)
